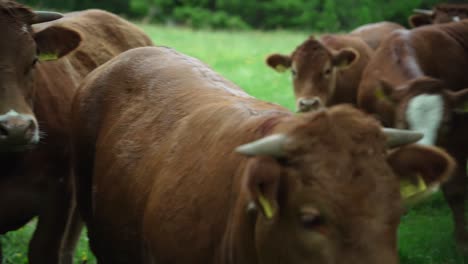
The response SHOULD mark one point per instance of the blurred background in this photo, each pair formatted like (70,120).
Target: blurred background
(316,15)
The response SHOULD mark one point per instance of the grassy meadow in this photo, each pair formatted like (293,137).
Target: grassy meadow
(425,236)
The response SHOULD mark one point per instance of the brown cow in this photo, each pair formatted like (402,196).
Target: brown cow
(325,71)
(374,33)
(155,133)
(417,80)
(35,98)
(441,13)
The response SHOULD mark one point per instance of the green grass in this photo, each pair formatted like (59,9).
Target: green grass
(240,57)
(425,236)
(15,246)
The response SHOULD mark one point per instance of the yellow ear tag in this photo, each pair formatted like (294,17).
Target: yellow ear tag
(380,94)
(465,107)
(462,109)
(280,68)
(47,56)
(343,65)
(267,209)
(408,189)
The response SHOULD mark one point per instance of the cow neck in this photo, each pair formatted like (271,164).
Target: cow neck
(404,51)
(52,101)
(269,125)
(238,244)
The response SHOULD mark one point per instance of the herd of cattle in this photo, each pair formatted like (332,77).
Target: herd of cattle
(416,79)
(165,161)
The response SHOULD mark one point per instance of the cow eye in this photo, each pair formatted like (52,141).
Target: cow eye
(311,219)
(293,73)
(284,162)
(29,69)
(327,71)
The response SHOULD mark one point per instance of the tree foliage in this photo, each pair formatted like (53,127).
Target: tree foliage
(316,15)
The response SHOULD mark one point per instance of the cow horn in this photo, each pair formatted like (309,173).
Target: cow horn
(270,146)
(423,12)
(398,137)
(44,16)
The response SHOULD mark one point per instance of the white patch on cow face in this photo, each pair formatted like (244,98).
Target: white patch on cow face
(455,18)
(12,113)
(424,114)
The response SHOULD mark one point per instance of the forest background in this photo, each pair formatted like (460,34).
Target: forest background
(303,15)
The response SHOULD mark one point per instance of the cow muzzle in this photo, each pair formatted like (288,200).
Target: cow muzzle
(308,104)
(17,131)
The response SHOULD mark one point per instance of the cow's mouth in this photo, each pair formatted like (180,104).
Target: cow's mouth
(6,147)
(309,104)
(18,132)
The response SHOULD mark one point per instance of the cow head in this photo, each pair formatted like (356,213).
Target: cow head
(327,188)
(20,51)
(442,13)
(314,70)
(424,104)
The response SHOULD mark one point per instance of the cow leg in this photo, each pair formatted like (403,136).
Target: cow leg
(455,195)
(47,239)
(72,236)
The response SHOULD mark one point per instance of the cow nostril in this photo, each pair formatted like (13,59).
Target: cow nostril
(31,127)
(3,132)
(17,130)
(303,106)
(306,105)
(315,103)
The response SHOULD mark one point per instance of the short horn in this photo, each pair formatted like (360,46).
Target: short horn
(423,12)
(269,146)
(399,137)
(44,16)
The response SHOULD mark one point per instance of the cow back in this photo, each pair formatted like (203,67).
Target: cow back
(145,106)
(373,34)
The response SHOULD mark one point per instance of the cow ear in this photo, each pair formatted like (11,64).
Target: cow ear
(54,42)
(345,57)
(421,169)
(262,181)
(418,20)
(459,101)
(385,91)
(279,62)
